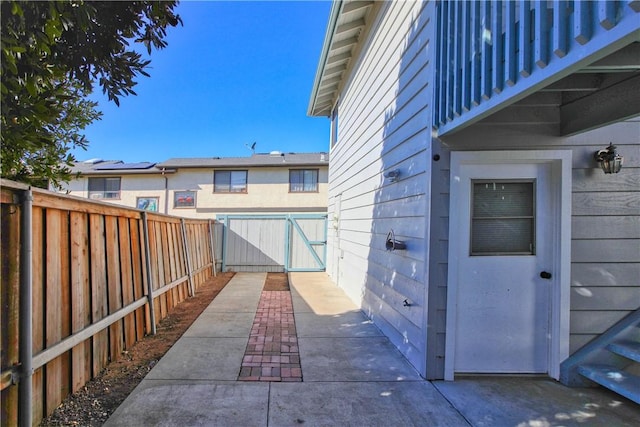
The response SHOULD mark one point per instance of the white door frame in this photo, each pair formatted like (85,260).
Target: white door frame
(560,163)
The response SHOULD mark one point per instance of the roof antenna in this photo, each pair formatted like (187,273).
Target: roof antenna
(251,147)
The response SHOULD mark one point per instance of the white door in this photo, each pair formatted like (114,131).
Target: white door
(504,267)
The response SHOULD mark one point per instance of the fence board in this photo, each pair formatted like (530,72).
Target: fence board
(80,302)
(98,290)
(137,263)
(53,306)
(10,298)
(37,306)
(89,280)
(116,339)
(126,280)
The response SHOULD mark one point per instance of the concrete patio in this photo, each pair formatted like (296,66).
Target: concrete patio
(352,376)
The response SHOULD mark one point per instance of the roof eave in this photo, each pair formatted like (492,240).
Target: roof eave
(336,8)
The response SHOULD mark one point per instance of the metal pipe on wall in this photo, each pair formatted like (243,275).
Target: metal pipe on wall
(25,390)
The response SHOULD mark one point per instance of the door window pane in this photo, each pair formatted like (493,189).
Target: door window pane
(503,218)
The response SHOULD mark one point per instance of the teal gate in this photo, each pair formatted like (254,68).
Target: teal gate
(274,243)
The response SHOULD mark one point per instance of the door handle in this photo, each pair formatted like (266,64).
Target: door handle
(545,275)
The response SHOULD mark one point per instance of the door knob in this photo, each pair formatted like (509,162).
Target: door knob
(545,275)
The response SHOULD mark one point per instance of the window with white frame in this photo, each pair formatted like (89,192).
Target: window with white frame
(184,199)
(334,127)
(104,188)
(303,180)
(503,217)
(230,181)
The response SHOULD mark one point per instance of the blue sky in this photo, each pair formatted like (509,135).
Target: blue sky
(234,74)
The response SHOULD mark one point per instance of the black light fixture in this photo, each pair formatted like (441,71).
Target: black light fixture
(610,161)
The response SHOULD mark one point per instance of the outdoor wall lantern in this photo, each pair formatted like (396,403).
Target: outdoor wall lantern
(610,161)
(393,175)
(393,244)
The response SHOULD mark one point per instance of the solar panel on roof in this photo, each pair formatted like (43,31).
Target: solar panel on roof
(120,166)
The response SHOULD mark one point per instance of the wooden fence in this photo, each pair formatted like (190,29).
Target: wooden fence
(98,276)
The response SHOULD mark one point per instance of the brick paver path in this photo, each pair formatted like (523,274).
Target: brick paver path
(272,352)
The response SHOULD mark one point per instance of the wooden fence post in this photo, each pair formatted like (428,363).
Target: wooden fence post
(147,259)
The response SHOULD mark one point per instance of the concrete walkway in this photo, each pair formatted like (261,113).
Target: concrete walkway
(352,376)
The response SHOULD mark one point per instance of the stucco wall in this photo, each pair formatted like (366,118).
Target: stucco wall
(267,191)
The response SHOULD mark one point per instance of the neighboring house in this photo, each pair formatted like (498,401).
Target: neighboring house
(467,131)
(208,187)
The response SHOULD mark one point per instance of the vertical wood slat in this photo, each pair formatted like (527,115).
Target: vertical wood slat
(80,301)
(53,307)
(524,39)
(179,293)
(510,56)
(37,304)
(541,49)
(486,41)
(98,290)
(582,21)
(498,48)
(476,53)
(560,28)
(114,293)
(607,14)
(159,271)
(10,298)
(165,299)
(138,274)
(172,295)
(187,251)
(126,280)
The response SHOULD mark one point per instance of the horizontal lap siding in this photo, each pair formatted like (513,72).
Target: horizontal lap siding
(384,124)
(605,243)
(605,247)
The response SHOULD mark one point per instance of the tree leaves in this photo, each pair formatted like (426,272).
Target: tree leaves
(52,55)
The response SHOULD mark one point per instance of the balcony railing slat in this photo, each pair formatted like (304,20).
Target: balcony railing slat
(485,31)
(450,62)
(510,63)
(541,49)
(497,52)
(442,75)
(560,28)
(582,21)
(475,53)
(524,40)
(466,58)
(607,14)
(457,61)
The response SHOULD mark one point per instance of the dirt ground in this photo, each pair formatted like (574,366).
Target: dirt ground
(99,398)
(276,282)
